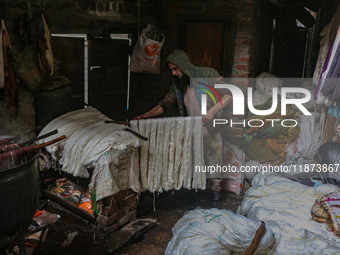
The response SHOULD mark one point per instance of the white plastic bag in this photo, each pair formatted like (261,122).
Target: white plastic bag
(234,157)
(233,183)
(146,53)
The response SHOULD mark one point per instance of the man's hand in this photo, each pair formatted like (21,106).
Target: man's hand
(138,117)
(209,116)
(154,112)
(226,99)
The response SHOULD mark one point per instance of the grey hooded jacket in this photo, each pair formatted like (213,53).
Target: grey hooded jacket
(181,59)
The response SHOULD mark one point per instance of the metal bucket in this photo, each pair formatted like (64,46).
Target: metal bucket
(19,196)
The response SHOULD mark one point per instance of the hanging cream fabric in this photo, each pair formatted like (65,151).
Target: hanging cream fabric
(168,158)
(2,63)
(327,34)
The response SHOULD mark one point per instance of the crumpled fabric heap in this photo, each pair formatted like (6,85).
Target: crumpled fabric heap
(302,151)
(88,138)
(267,144)
(265,82)
(217,232)
(288,203)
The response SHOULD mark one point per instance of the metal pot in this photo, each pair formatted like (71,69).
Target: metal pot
(19,196)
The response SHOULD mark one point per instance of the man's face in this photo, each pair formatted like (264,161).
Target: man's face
(176,72)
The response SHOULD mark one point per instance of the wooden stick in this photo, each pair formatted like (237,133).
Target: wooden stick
(136,134)
(39,146)
(39,138)
(256,240)
(126,123)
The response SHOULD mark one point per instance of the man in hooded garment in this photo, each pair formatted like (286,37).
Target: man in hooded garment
(187,94)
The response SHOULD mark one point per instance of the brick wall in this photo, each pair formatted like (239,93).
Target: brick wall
(117,210)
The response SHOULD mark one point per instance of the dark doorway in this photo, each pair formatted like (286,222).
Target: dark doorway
(207,50)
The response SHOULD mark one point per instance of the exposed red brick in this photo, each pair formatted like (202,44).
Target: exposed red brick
(242,67)
(128,200)
(109,210)
(245,59)
(127,218)
(243,75)
(133,206)
(120,195)
(108,221)
(241,50)
(107,201)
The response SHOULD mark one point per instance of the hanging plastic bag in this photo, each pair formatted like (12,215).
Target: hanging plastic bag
(146,54)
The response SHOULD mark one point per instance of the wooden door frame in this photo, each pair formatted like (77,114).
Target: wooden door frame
(229,35)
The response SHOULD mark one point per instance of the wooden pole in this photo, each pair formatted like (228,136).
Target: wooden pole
(256,240)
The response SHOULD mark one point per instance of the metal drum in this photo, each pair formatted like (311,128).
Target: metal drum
(19,196)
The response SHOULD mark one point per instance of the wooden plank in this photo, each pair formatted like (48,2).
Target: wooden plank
(128,234)
(69,205)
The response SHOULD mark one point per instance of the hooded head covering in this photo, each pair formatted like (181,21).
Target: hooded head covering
(181,59)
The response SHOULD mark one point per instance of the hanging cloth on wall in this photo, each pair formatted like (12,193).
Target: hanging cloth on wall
(2,64)
(328,34)
(7,78)
(48,53)
(329,71)
(331,88)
